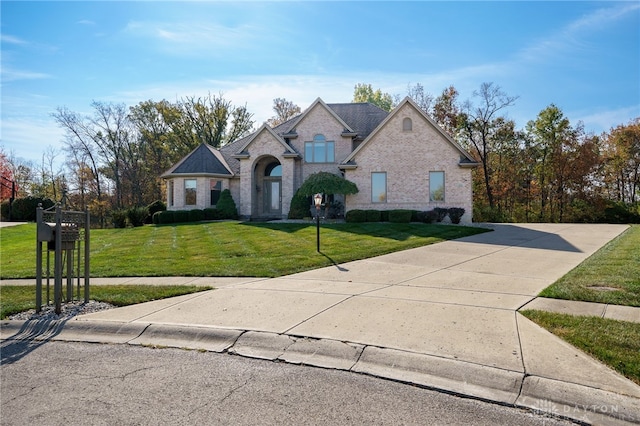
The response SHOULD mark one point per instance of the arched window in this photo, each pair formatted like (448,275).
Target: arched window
(273,170)
(407,125)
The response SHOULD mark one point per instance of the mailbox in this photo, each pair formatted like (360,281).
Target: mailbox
(69,234)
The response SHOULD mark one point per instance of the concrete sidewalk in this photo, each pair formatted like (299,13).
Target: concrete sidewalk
(442,316)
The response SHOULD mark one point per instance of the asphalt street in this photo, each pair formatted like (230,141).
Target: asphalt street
(65,383)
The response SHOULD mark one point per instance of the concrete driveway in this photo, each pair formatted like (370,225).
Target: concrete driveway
(442,316)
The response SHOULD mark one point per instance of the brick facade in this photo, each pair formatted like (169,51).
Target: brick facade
(405,155)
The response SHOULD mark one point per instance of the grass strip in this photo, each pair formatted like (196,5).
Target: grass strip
(14,299)
(614,343)
(611,275)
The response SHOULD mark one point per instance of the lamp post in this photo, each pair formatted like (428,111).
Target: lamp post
(317,201)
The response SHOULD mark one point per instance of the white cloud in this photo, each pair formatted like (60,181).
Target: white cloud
(12,40)
(568,37)
(9,74)
(187,38)
(605,120)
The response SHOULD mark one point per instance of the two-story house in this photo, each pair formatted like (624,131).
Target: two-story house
(399,160)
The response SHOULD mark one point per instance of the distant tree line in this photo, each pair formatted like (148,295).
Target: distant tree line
(549,171)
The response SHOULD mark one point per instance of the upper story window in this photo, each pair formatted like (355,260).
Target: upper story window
(319,150)
(407,125)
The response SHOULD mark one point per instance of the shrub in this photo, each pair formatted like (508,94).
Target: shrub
(227,206)
(180,216)
(621,213)
(196,215)
(299,206)
(155,218)
(335,210)
(164,217)
(119,218)
(430,216)
(416,215)
(156,206)
(440,213)
(212,214)
(384,216)
(24,209)
(487,214)
(455,214)
(373,215)
(137,215)
(356,216)
(400,216)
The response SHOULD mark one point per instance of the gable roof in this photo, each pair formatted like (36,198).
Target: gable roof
(265,128)
(204,160)
(360,118)
(296,120)
(363,117)
(465,158)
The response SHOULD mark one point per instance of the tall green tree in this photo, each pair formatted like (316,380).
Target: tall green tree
(549,133)
(365,93)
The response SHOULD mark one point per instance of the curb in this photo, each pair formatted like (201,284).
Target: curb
(542,395)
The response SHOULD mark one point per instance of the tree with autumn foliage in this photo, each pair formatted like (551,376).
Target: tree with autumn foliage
(8,185)
(622,163)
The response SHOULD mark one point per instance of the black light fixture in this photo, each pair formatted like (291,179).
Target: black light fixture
(317,201)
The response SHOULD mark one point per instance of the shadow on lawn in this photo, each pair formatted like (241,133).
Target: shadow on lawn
(393,231)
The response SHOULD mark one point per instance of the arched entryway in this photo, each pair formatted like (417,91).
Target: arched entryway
(268,180)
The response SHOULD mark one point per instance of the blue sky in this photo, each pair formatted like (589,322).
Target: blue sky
(582,56)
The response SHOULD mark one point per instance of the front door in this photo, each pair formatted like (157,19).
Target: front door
(273,197)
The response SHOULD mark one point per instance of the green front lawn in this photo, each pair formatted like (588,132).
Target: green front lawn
(611,275)
(227,248)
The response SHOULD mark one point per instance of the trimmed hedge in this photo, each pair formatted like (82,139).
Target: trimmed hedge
(455,214)
(400,216)
(180,216)
(156,206)
(196,215)
(373,215)
(440,213)
(24,209)
(356,216)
